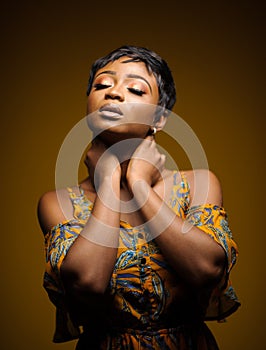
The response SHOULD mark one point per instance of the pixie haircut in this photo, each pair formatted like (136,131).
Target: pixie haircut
(154,64)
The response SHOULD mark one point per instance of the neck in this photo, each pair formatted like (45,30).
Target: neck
(123,149)
(124,166)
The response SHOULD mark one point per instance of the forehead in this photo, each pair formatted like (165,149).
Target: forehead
(122,67)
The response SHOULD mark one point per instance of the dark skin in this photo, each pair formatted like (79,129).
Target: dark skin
(197,259)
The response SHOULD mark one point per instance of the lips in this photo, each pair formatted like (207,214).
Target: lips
(111,110)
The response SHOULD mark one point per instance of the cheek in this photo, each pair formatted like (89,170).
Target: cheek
(141,113)
(91,104)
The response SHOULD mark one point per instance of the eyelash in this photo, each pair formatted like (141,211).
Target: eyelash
(101,86)
(105,86)
(136,91)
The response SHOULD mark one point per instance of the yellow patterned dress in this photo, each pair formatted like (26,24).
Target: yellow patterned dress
(147,306)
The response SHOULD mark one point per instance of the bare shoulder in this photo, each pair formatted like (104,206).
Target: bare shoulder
(50,212)
(205,187)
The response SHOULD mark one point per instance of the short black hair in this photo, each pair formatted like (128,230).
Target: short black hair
(154,64)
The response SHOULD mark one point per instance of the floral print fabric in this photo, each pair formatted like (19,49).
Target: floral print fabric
(159,311)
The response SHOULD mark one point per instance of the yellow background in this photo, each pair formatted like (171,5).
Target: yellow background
(216,53)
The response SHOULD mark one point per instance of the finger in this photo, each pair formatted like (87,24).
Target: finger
(152,144)
(163,158)
(161,164)
(149,138)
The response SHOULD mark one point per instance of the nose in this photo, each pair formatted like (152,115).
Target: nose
(114,93)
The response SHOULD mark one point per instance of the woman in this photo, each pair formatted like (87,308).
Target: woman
(136,257)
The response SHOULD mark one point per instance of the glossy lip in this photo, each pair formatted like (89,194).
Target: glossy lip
(111,110)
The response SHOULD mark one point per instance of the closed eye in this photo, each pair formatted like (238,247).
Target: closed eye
(136,91)
(101,86)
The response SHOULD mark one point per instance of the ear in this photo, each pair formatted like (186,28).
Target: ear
(160,122)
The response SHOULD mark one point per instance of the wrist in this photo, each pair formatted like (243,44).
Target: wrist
(140,190)
(133,180)
(108,174)
(108,191)
(138,185)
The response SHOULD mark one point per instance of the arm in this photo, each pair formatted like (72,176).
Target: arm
(196,257)
(83,268)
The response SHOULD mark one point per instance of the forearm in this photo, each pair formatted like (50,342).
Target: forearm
(89,262)
(193,254)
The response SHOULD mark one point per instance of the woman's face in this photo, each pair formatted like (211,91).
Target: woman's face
(123,99)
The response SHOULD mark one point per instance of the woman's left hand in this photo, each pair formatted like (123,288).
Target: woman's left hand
(146,163)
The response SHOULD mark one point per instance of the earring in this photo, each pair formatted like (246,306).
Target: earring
(154,130)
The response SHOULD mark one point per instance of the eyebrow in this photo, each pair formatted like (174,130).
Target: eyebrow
(136,76)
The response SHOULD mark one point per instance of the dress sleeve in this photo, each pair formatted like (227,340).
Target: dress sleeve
(57,243)
(213,220)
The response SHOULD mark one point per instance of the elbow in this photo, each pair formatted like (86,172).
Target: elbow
(207,275)
(214,275)
(79,285)
(211,270)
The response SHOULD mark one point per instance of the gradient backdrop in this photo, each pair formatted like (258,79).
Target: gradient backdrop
(216,53)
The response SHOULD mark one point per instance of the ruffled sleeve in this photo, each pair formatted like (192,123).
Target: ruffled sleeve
(213,220)
(57,243)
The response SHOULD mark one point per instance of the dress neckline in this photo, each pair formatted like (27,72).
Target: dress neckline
(179,185)
(183,182)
